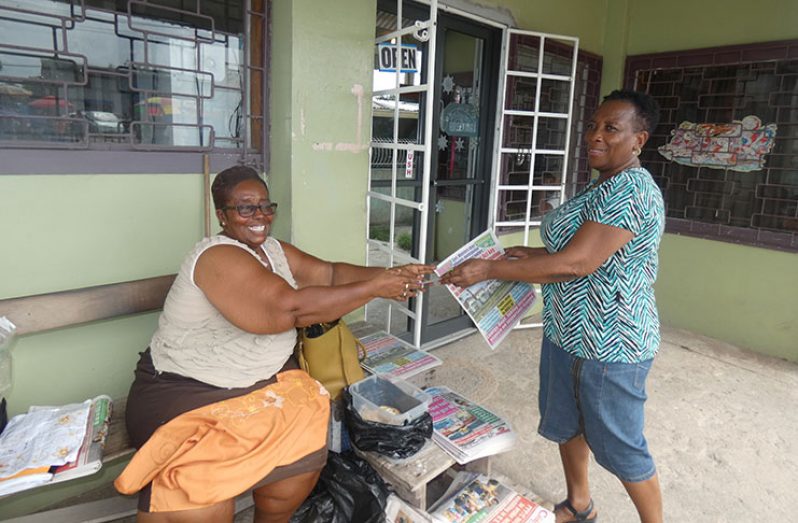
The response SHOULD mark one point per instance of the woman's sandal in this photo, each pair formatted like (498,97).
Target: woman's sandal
(580,517)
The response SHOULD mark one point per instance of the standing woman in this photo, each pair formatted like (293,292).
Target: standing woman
(218,404)
(600,323)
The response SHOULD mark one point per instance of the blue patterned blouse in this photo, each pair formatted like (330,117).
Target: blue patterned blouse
(609,315)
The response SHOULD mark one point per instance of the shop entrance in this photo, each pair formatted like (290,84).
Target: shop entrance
(432,138)
(438,79)
(467,69)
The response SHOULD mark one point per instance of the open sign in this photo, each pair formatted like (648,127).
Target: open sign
(404,60)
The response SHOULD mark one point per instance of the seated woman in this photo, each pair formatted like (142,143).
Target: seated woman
(218,405)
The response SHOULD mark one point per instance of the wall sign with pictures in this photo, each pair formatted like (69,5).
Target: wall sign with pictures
(740,145)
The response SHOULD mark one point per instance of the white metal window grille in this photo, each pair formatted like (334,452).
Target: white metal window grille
(536,107)
(534,131)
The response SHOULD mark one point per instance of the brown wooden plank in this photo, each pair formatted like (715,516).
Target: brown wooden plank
(60,309)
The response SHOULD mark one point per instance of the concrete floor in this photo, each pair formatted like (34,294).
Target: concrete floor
(721,423)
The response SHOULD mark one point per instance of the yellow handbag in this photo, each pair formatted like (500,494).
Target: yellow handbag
(331,354)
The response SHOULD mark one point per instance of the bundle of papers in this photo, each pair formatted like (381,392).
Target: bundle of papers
(495,306)
(387,354)
(475,498)
(52,444)
(464,430)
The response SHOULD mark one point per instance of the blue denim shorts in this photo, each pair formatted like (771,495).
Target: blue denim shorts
(602,401)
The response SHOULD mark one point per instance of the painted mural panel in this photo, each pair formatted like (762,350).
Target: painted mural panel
(740,145)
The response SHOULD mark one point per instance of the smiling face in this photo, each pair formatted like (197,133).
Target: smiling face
(613,134)
(251,230)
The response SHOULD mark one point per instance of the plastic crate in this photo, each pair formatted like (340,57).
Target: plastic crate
(392,401)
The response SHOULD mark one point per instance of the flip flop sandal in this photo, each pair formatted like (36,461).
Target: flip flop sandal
(580,517)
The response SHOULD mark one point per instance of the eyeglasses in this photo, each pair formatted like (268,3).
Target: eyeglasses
(247,210)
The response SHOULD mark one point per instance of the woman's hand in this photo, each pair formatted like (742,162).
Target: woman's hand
(413,270)
(467,273)
(403,282)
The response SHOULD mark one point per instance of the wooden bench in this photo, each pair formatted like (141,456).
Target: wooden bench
(43,312)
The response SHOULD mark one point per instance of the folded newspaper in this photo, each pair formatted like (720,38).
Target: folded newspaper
(475,498)
(387,354)
(495,306)
(465,430)
(52,444)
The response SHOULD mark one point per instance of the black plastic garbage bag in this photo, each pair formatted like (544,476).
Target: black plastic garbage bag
(348,491)
(395,441)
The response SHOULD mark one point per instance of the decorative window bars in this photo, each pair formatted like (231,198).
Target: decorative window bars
(721,86)
(153,75)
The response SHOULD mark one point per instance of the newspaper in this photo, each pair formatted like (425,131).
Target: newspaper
(90,456)
(51,444)
(464,430)
(478,498)
(387,354)
(495,306)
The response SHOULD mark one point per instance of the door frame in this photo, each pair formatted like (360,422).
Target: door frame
(423,30)
(492,37)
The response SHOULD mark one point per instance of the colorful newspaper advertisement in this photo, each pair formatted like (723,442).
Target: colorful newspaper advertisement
(486,500)
(387,354)
(465,430)
(495,306)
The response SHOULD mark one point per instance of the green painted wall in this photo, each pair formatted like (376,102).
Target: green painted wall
(582,18)
(730,292)
(72,231)
(326,115)
(708,23)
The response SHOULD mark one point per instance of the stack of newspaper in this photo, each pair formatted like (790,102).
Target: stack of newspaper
(387,354)
(474,497)
(52,444)
(465,430)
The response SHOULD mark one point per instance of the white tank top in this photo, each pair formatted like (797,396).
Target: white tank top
(193,339)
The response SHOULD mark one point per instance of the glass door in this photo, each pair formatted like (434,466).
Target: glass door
(465,91)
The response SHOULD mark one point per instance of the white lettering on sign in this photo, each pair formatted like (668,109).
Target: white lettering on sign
(406,61)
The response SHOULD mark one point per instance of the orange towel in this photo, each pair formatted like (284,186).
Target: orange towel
(218,451)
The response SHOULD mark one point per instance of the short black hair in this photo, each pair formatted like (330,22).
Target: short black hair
(226,180)
(646,107)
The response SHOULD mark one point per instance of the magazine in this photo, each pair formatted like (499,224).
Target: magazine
(51,444)
(465,430)
(477,498)
(90,455)
(387,354)
(495,306)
